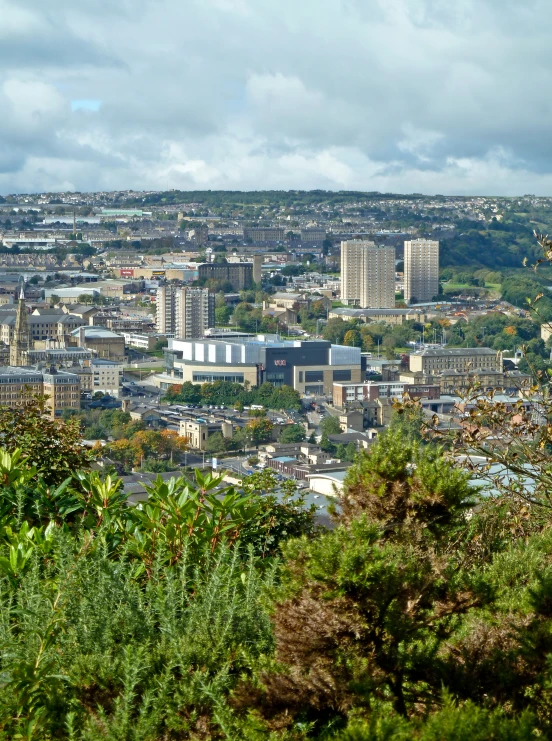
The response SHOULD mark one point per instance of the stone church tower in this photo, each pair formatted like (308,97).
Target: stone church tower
(21,336)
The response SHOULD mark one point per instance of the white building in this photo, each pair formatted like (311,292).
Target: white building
(367,274)
(421,270)
(107,376)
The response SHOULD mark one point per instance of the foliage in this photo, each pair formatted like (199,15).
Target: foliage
(292,434)
(54,446)
(227,393)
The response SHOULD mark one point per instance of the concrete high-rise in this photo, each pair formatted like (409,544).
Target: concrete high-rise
(165,309)
(257,269)
(421,270)
(194,312)
(184,312)
(367,274)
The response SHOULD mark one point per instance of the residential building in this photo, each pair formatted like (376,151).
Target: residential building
(199,235)
(421,270)
(367,274)
(165,318)
(238,274)
(195,312)
(62,389)
(184,312)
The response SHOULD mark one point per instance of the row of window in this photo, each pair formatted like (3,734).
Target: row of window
(212,377)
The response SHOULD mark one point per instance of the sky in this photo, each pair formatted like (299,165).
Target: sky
(426,96)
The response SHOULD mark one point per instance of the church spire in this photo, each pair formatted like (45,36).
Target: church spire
(21,341)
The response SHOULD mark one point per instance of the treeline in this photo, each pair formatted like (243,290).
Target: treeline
(496,245)
(218,198)
(234,395)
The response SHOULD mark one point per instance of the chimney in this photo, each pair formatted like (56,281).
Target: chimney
(82,337)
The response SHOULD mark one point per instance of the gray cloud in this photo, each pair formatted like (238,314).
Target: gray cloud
(402,95)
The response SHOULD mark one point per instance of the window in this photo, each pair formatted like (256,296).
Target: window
(342,375)
(300,376)
(311,376)
(213,376)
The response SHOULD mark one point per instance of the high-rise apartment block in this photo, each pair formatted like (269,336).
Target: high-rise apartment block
(238,274)
(421,270)
(165,304)
(367,274)
(186,312)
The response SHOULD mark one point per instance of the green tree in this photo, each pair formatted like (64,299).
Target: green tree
(352,338)
(52,446)
(330,425)
(292,434)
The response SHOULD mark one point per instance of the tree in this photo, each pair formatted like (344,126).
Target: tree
(330,425)
(372,602)
(173,443)
(223,314)
(52,446)
(216,443)
(352,338)
(258,430)
(292,434)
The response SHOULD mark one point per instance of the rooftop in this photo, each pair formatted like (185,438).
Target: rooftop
(438,352)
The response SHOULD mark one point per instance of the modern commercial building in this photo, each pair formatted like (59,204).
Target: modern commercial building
(184,312)
(421,270)
(367,274)
(62,389)
(310,367)
(434,360)
(263,234)
(238,274)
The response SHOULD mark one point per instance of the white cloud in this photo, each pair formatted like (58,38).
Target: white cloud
(402,95)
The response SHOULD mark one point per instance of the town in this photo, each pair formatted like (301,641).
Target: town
(236,332)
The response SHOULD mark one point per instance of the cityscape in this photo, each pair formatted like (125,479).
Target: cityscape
(275,371)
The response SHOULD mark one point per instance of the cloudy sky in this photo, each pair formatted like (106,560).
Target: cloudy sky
(430,96)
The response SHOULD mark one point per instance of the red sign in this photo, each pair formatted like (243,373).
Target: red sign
(127,272)
(279,362)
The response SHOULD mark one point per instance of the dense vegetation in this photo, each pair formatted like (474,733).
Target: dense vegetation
(215,613)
